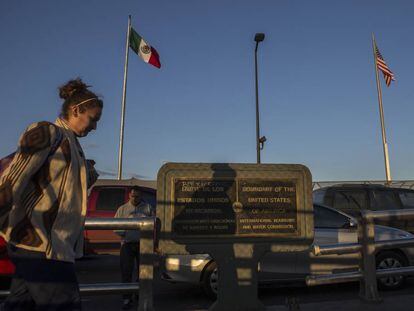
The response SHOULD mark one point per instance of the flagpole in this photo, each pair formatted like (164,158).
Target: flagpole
(384,137)
(121,135)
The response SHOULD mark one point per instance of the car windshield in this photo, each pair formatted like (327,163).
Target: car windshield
(110,199)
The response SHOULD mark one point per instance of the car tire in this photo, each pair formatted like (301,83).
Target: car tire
(209,280)
(390,259)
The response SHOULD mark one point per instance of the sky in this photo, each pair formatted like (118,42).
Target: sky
(317,89)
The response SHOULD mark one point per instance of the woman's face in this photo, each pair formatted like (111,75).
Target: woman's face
(84,122)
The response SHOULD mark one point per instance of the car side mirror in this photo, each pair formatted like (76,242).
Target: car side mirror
(351,224)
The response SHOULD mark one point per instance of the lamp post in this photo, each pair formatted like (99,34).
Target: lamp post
(259,37)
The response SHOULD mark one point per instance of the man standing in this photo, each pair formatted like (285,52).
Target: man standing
(134,208)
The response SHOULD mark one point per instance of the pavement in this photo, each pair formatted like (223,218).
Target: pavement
(187,297)
(395,303)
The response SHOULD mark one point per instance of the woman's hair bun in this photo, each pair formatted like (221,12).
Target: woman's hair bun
(72,87)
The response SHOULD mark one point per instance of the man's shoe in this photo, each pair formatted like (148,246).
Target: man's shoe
(126,304)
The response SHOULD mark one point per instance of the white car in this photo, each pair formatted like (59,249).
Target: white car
(331,227)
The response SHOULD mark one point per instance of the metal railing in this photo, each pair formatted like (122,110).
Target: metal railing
(367,247)
(146,265)
(367,274)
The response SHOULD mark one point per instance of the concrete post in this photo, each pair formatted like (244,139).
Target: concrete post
(368,290)
(146,267)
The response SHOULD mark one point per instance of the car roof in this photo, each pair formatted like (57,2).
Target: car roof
(152,184)
(356,186)
(362,186)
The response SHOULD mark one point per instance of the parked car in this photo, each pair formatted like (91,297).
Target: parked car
(351,198)
(331,227)
(104,198)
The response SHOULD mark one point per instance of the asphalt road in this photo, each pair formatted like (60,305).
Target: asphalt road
(167,296)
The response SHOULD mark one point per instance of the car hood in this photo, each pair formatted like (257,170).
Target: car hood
(387,233)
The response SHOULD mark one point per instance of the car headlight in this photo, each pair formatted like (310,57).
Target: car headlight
(197,262)
(172,264)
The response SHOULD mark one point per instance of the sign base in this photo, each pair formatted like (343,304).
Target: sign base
(238,275)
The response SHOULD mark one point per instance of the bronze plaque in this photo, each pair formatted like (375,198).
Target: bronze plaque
(227,203)
(203,207)
(267,206)
(248,207)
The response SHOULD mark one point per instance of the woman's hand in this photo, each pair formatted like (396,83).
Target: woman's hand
(92,173)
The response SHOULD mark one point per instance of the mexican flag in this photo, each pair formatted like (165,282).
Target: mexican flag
(144,50)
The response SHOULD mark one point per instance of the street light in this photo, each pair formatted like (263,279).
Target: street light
(259,37)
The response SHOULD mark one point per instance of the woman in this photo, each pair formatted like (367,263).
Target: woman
(43,195)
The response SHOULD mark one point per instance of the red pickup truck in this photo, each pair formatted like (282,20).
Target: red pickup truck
(105,197)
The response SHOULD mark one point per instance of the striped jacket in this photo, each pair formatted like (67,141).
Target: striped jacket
(43,193)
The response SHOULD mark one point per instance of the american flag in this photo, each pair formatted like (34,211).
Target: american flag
(388,75)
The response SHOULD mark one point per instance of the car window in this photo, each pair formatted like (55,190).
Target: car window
(318,196)
(350,200)
(385,200)
(109,199)
(407,199)
(326,218)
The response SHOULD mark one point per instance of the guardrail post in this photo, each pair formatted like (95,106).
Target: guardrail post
(146,267)
(368,289)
